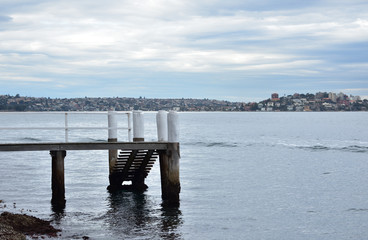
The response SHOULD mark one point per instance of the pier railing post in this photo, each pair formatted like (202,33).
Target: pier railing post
(138,126)
(169,162)
(57,179)
(112,137)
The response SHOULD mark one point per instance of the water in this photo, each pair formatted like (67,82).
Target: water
(243,176)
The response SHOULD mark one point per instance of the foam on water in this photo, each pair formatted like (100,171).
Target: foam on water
(327,147)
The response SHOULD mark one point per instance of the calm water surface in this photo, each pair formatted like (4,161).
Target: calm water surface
(243,176)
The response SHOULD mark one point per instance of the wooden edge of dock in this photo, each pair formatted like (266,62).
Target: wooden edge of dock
(84,146)
(168,152)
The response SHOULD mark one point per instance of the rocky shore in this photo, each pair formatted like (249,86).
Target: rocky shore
(17,226)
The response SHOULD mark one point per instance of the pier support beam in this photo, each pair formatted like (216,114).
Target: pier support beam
(169,162)
(169,168)
(57,179)
(114,177)
(138,136)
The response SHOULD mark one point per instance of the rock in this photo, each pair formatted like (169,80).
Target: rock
(24,225)
(7,232)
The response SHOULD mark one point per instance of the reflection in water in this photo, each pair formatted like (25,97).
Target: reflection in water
(134,215)
(171,220)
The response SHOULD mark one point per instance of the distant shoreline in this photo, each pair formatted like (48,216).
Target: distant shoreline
(188,111)
(319,102)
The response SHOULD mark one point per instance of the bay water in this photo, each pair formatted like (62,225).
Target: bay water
(256,175)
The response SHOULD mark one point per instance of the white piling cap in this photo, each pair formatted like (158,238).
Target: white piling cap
(161,120)
(138,124)
(113,125)
(173,126)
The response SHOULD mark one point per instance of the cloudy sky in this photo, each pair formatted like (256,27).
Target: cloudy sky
(237,50)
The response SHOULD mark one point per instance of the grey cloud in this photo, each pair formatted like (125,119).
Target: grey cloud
(237,39)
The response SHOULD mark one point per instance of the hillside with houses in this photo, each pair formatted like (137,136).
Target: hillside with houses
(321,101)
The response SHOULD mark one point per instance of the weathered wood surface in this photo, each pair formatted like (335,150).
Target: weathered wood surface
(113,155)
(84,146)
(169,168)
(57,179)
(169,155)
(132,165)
(127,166)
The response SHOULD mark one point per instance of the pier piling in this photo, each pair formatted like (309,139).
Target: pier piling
(169,169)
(113,153)
(57,179)
(138,136)
(169,162)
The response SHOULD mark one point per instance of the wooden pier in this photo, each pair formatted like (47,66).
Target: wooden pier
(128,161)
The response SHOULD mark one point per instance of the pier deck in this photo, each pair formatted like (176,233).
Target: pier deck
(134,169)
(128,161)
(84,146)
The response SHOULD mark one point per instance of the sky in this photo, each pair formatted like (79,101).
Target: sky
(236,50)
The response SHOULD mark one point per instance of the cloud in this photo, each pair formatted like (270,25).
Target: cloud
(23,79)
(90,41)
(355,90)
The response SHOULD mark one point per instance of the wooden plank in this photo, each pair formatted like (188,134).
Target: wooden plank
(140,160)
(128,164)
(141,155)
(132,166)
(136,157)
(83,146)
(131,170)
(134,169)
(140,172)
